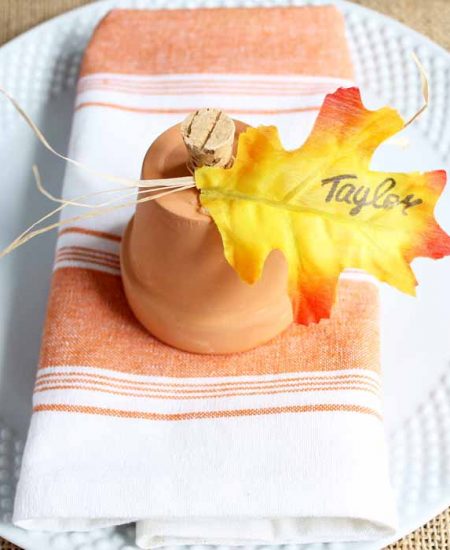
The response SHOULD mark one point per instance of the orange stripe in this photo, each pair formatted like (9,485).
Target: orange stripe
(190,109)
(158,395)
(91,257)
(92,232)
(211,392)
(88,255)
(205,414)
(91,251)
(87,260)
(195,83)
(130,384)
(203,89)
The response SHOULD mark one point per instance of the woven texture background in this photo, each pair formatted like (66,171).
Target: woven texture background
(430,17)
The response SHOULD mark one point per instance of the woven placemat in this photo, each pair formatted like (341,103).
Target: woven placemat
(430,17)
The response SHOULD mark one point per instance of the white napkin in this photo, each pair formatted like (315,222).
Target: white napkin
(126,429)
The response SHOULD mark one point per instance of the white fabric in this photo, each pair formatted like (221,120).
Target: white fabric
(267,479)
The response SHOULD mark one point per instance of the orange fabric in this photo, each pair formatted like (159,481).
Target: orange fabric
(205,414)
(88,312)
(287,40)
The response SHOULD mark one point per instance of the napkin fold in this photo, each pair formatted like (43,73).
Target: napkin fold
(281,444)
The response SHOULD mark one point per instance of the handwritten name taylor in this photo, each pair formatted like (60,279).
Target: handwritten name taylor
(361,196)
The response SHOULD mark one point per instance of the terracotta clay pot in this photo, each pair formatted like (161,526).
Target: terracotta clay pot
(175,275)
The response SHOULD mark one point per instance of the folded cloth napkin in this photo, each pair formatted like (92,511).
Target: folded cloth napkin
(281,444)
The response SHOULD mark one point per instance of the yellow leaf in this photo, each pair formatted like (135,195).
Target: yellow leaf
(322,206)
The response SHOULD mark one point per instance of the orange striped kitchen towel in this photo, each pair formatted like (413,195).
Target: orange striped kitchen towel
(282,444)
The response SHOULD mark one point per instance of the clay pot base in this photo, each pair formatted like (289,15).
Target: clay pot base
(175,275)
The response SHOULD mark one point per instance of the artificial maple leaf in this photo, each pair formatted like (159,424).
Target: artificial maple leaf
(322,206)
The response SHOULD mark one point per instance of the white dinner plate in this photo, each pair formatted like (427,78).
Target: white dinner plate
(40,69)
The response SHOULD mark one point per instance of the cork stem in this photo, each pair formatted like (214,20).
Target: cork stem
(209,136)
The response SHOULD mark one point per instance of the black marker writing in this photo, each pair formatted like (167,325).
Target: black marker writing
(360,196)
